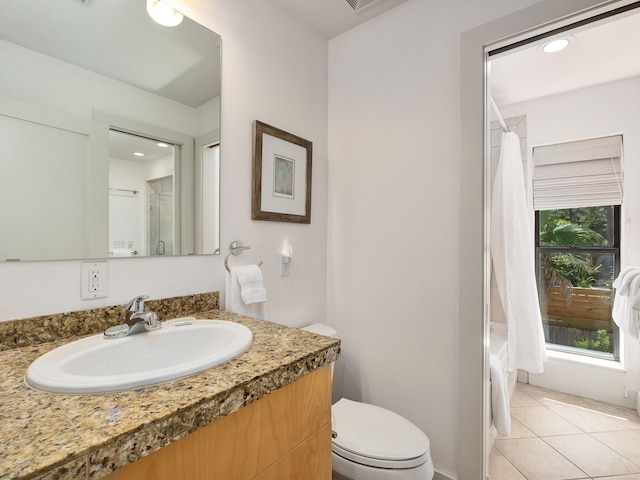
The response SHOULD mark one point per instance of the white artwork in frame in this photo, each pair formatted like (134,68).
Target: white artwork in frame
(284,177)
(281,176)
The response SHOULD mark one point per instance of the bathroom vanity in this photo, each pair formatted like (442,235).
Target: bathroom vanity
(265,414)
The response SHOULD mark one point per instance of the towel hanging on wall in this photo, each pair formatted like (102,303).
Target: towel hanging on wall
(251,288)
(626,303)
(245,293)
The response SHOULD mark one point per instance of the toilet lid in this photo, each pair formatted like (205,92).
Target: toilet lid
(377,437)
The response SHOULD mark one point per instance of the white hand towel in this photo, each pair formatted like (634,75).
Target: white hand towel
(233,298)
(499,397)
(251,287)
(626,303)
(621,284)
(626,317)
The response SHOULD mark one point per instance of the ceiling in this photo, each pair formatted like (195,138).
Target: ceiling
(334,17)
(124,146)
(599,53)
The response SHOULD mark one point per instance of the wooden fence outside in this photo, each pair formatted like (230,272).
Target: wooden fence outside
(588,308)
(561,335)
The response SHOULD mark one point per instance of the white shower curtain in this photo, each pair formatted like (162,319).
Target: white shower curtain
(512,252)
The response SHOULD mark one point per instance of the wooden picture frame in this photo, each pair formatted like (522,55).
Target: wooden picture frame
(281,175)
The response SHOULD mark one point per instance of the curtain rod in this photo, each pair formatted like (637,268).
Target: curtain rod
(497,112)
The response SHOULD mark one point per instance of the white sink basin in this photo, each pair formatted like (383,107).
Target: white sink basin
(180,348)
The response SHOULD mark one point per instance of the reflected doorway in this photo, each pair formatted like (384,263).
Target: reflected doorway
(142,200)
(161,215)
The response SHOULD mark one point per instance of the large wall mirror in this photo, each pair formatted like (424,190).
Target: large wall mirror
(109,127)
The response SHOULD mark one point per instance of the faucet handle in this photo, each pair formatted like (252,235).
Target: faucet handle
(136,305)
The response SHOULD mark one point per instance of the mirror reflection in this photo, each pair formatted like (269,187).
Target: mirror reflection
(110,128)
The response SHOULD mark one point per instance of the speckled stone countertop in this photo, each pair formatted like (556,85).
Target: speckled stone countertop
(63,437)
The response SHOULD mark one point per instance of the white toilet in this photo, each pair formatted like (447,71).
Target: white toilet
(372,443)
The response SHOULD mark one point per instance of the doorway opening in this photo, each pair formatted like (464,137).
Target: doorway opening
(160,205)
(571,97)
(142,200)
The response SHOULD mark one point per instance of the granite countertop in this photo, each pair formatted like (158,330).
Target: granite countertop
(63,437)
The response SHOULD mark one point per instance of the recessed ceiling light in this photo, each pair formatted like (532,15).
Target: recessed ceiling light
(138,154)
(556,45)
(162,144)
(163,14)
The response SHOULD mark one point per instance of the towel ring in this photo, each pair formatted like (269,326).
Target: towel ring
(235,249)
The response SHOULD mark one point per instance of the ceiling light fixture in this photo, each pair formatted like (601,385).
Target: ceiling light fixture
(163,14)
(162,144)
(556,45)
(138,154)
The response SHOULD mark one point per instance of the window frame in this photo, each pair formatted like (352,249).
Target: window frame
(613,249)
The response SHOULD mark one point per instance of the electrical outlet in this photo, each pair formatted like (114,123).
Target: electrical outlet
(285,265)
(94,280)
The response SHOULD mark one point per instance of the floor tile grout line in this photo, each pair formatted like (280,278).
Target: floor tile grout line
(592,436)
(613,449)
(584,432)
(562,454)
(554,413)
(581,432)
(514,467)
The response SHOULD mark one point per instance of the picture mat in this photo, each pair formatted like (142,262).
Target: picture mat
(270,203)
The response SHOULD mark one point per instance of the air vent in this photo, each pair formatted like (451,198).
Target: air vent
(360,4)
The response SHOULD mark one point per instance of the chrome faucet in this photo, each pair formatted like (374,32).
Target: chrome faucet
(137,321)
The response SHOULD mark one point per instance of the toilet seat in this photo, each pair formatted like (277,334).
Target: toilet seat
(373,436)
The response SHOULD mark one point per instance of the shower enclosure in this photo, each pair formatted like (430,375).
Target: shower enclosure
(160,201)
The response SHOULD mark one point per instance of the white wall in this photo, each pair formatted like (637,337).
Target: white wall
(60,158)
(586,113)
(394,163)
(126,210)
(260,40)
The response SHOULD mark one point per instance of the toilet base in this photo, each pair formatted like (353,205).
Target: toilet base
(344,469)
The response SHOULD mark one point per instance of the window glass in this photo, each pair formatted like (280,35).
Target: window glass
(587,226)
(577,257)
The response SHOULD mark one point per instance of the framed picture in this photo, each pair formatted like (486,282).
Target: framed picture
(281,175)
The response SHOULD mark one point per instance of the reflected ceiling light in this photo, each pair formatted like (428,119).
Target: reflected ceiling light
(138,154)
(557,44)
(162,144)
(163,14)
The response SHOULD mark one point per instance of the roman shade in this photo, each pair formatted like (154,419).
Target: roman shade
(585,173)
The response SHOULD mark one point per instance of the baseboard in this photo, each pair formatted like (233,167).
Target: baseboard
(442,476)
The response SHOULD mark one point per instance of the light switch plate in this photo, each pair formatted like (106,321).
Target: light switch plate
(94,280)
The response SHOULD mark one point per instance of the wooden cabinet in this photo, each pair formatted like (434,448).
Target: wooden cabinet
(284,435)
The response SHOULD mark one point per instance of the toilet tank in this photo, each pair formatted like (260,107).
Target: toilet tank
(322,329)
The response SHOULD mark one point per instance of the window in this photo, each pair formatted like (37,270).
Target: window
(577,259)
(577,191)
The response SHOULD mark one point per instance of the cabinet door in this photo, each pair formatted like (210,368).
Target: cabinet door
(293,421)
(309,461)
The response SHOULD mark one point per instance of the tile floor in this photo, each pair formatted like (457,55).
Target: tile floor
(556,436)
